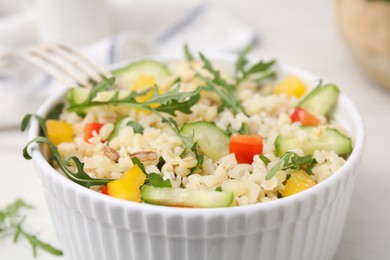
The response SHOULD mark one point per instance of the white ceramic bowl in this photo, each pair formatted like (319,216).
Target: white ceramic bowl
(305,226)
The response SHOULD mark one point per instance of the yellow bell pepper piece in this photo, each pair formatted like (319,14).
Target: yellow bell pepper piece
(291,86)
(298,181)
(144,82)
(59,131)
(128,186)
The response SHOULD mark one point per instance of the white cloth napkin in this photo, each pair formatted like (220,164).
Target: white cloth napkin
(138,28)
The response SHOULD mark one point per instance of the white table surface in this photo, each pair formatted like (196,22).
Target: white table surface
(300,32)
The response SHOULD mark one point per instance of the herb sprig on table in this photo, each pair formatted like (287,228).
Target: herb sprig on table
(11,222)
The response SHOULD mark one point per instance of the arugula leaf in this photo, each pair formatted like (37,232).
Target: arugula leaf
(265,159)
(242,131)
(168,102)
(199,157)
(242,61)
(187,53)
(55,111)
(10,220)
(188,141)
(291,160)
(11,210)
(160,163)
(156,180)
(80,176)
(27,119)
(137,127)
(220,86)
(137,162)
(261,67)
(177,101)
(153,179)
(34,241)
(101,86)
(217,78)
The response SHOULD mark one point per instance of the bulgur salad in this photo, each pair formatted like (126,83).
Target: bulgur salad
(190,134)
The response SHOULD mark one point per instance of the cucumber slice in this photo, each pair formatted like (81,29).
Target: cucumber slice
(127,76)
(212,140)
(320,100)
(186,197)
(330,140)
(77,95)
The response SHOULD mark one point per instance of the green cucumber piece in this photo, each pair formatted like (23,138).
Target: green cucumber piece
(321,100)
(186,197)
(127,76)
(77,95)
(330,140)
(212,140)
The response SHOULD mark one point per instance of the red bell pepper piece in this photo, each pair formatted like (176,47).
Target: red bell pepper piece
(305,118)
(245,147)
(90,128)
(104,190)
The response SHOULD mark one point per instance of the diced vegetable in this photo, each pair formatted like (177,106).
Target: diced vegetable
(127,76)
(291,86)
(104,190)
(245,147)
(321,100)
(299,181)
(91,129)
(212,140)
(142,83)
(328,139)
(128,186)
(186,197)
(77,95)
(305,118)
(59,131)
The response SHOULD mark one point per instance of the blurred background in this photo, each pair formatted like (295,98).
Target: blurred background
(343,41)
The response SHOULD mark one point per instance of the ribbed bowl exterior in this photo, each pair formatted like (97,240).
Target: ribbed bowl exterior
(305,226)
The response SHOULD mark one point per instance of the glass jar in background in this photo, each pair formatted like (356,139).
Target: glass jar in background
(365,27)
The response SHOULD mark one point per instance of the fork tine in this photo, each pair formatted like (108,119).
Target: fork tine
(75,61)
(59,75)
(92,64)
(60,64)
(64,63)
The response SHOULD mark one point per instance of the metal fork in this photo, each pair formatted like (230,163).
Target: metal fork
(65,63)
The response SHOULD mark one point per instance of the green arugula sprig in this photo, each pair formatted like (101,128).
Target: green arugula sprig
(262,69)
(187,53)
(226,90)
(168,102)
(188,141)
(26,120)
(290,160)
(11,221)
(153,179)
(79,176)
(220,86)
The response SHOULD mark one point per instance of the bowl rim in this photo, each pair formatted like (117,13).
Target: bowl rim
(358,144)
